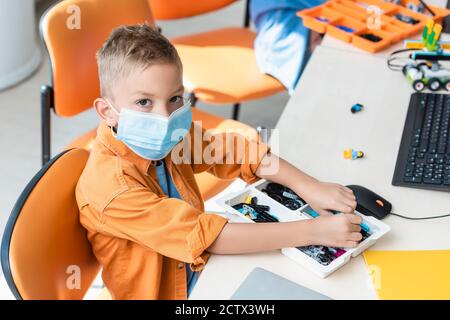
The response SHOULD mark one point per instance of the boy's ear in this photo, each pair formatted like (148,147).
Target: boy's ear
(104,111)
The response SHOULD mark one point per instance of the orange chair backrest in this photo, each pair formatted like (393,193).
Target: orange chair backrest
(73,31)
(177,9)
(45,252)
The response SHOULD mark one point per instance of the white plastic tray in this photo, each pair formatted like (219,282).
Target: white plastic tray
(284,214)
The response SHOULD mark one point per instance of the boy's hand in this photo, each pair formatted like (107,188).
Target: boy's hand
(323,196)
(342,230)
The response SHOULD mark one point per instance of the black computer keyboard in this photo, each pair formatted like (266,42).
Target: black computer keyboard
(424,157)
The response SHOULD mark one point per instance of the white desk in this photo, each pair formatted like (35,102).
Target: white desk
(315,128)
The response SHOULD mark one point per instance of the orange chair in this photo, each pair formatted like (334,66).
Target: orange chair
(45,253)
(72,31)
(75,82)
(220,65)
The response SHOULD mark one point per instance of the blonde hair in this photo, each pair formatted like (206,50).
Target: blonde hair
(130,47)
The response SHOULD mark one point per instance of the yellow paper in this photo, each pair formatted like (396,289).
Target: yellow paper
(410,274)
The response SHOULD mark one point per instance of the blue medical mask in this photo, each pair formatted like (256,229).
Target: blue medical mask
(151,135)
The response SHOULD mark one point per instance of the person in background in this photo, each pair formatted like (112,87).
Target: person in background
(282,41)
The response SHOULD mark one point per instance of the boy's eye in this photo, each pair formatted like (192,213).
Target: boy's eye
(176,99)
(144,103)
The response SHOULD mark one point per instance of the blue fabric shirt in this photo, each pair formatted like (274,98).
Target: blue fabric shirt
(282,41)
(167,186)
(258,7)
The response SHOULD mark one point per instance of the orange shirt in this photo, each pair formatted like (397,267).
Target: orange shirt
(141,237)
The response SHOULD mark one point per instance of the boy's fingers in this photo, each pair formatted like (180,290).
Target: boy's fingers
(354,218)
(355,236)
(351,203)
(324,212)
(344,208)
(350,244)
(348,190)
(350,196)
(355,228)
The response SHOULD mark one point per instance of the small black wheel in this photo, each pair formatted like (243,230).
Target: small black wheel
(273,187)
(292,204)
(418,85)
(434,84)
(276,197)
(447,85)
(406,67)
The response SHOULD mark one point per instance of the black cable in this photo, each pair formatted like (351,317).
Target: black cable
(403,50)
(396,67)
(421,218)
(392,57)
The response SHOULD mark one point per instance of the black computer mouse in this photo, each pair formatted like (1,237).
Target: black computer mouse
(369,203)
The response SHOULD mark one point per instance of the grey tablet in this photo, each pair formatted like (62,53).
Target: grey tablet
(261,284)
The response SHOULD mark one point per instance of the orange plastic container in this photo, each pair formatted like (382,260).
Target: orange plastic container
(318,18)
(386,40)
(347,10)
(385,23)
(345,22)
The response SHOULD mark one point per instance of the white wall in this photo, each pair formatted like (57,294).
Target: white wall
(20,56)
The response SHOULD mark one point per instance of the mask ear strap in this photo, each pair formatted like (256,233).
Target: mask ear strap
(113,129)
(112,107)
(113,132)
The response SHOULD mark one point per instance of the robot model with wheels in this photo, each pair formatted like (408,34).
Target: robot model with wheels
(425,69)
